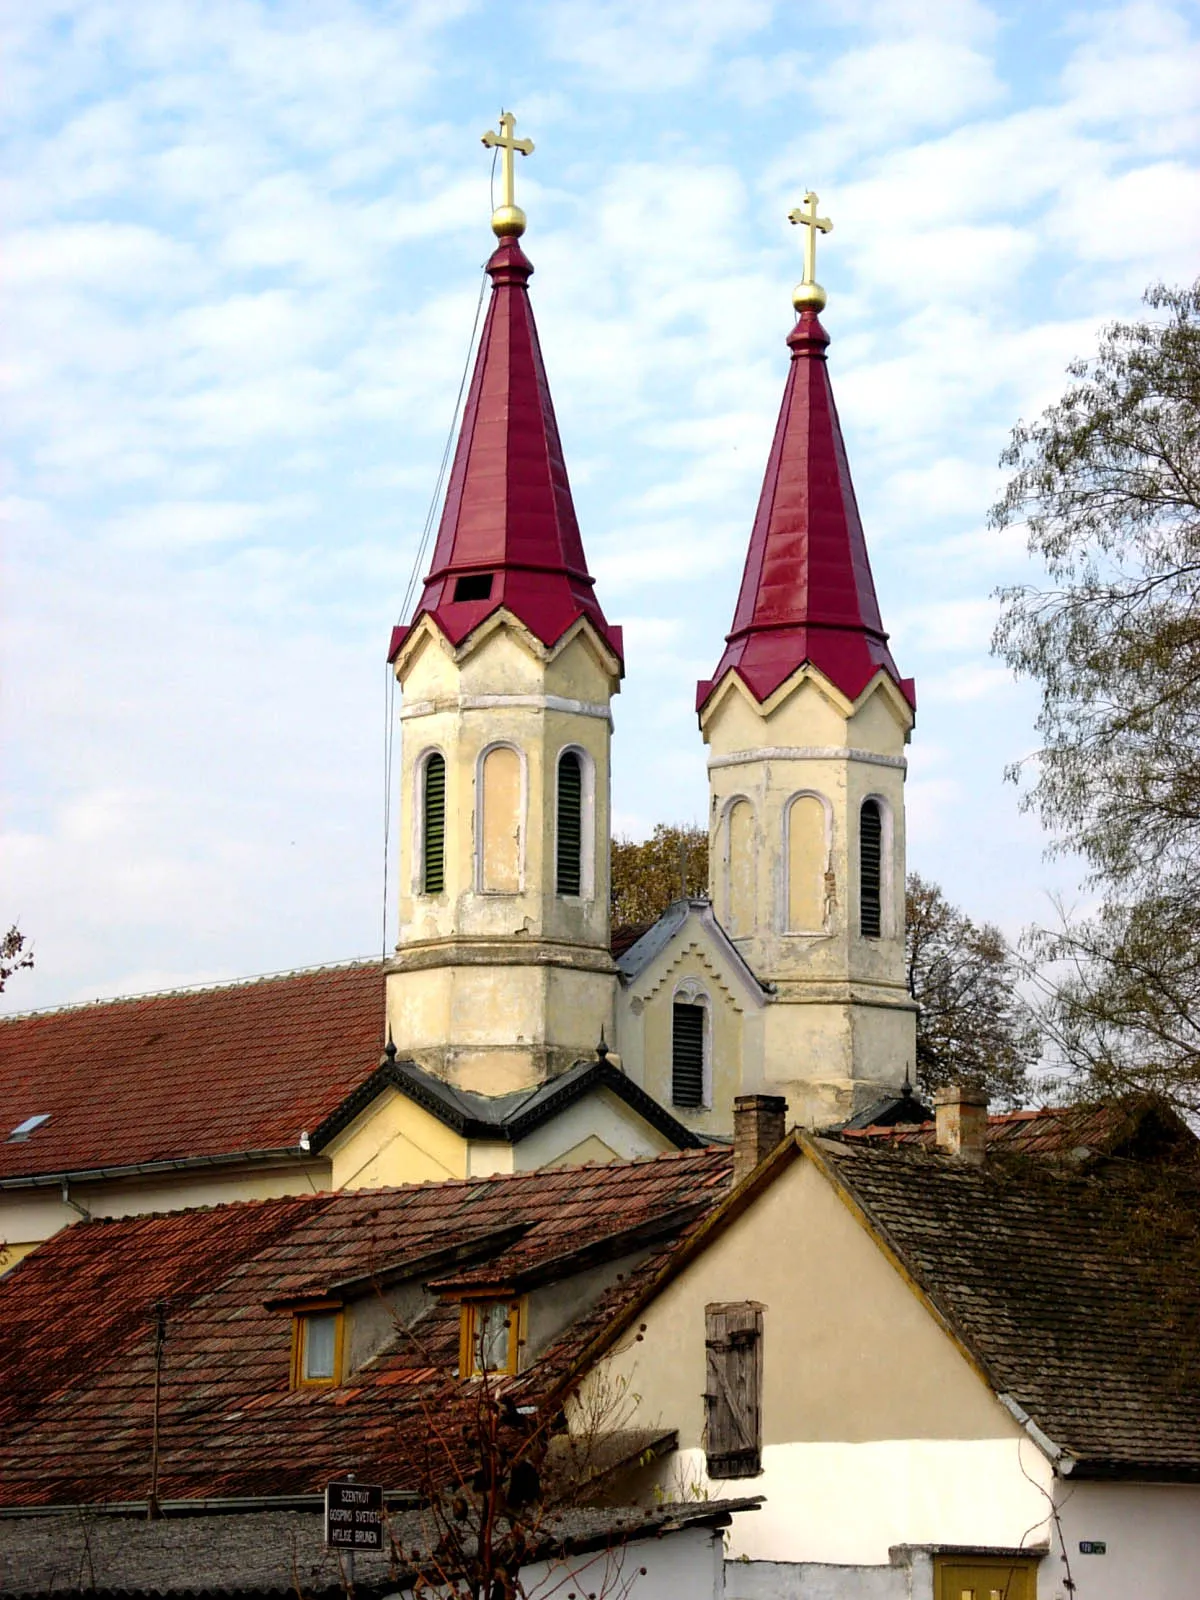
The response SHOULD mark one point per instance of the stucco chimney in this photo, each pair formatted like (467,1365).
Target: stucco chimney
(759,1124)
(961,1115)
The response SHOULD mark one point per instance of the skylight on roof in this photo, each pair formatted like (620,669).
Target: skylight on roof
(24,1129)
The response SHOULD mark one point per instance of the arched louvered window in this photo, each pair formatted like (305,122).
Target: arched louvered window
(569,862)
(870,870)
(687,1054)
(433,826)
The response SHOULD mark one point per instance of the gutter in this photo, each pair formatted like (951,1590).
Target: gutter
(135,1169)
(396,1499)
(1061,1460)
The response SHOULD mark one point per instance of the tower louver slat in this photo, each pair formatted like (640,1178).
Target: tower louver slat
(687,1055)
(870,848)
(569,864)
(434,876)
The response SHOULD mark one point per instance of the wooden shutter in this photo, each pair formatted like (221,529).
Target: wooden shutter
(733,1398)
(870,865)
(434,841)
(569,865)
(687,1055)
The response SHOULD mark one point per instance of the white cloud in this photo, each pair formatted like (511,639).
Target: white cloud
(642,48)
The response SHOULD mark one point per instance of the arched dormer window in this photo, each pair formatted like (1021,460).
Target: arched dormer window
(433,824)
(690,1067)
(568,864)
(870,870)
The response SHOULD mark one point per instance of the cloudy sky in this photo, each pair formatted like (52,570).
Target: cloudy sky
(242,258)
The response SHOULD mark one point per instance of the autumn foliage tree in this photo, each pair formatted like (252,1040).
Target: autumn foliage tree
(15,956)
(648,874)
(1107,483)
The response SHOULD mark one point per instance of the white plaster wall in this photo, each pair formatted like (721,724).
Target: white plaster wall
(1152,1534)
(849,1503)
(806,1580)
(688,1565)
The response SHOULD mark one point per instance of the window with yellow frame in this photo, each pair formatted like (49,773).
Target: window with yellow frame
(317,1337)
(490,1334)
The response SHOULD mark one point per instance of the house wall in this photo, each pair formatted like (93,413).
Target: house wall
(597,1128)
(687,1565)
(877,1431)
(1151,1533)
(395,1141)
(27,1216)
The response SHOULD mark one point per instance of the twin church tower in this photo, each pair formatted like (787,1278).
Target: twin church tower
(790,978)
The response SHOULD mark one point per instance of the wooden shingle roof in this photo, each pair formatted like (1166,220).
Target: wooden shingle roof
(1077,1293)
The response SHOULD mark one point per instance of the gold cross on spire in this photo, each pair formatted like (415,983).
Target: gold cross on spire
(808,292)
(508,220)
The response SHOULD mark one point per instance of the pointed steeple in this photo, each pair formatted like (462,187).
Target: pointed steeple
(509,535)
(807,594)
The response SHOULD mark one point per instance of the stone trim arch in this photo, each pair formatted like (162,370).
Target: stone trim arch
(735,896)
(481,824)
(785,856)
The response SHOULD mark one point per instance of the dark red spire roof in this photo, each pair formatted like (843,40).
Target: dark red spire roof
(509,517)
(807,593)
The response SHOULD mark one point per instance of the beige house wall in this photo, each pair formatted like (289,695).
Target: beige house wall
(875,1426)
(840,1029)
(27,1216)
(499,980)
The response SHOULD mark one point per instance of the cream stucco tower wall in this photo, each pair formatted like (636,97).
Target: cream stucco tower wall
(496,985)
(502,975)
(839,1027)
(806,719)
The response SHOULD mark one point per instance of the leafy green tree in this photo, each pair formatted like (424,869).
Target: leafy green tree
(1107,482)
(648,874)
(973,1025)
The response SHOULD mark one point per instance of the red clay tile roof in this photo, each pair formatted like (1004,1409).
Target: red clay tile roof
(75,1401)
(626,936)
(202,1073)
(1052,1131)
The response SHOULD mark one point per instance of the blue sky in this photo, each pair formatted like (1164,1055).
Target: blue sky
(242,255)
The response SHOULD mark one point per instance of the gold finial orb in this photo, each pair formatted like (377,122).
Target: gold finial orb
(809,297)
(508,222)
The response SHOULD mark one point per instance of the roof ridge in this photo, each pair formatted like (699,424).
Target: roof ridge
(193,988)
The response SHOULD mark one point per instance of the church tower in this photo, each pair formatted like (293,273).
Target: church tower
(806,719)
(502,975)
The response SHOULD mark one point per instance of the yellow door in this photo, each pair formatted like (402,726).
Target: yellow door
(985,1578)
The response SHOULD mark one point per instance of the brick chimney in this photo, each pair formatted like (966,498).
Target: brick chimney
(961,1115)
(759,1124)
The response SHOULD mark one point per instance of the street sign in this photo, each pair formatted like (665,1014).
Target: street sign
(354,1516)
